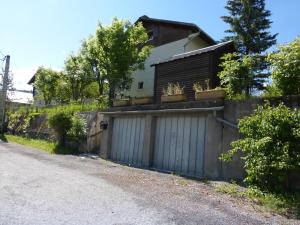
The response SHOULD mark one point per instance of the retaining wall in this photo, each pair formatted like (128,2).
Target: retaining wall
(220,131)
(38,128)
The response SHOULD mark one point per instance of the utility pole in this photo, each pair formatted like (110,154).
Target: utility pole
(4,92)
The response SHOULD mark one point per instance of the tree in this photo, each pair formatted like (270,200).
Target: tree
(249,23)
(237,74)
(79,74)
(285,66)
(90,52)
(120,49)
(46,83)
(63,90)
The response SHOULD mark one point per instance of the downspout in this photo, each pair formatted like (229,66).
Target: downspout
(226,122)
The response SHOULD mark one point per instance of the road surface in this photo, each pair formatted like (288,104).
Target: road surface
(38,188)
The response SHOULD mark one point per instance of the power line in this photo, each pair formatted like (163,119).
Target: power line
(2,54)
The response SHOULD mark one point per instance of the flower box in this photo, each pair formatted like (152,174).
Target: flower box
(142,101)
(173,98)
(210,94)
(121,102)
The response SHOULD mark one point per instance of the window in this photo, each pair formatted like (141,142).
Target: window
(140,85)
(150,36)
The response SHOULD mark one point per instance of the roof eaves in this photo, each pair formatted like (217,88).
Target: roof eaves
(194,52)
(146,18)
(32,79)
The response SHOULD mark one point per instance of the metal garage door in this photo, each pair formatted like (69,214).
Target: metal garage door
(180,144)
(128,139)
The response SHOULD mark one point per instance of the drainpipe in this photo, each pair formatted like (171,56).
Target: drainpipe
(226,122)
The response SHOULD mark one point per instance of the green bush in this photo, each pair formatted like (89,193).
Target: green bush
(74,107)
(78,129)
(270,145)
(61,122)
(19,121)
(285,65)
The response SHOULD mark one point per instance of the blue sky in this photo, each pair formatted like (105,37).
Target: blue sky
(44,32)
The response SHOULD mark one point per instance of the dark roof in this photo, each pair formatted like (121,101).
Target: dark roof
(195,52)
(146,18)
(192,26)
(32,79)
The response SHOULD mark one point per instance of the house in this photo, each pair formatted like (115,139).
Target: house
(37,101)
(168,38)
(190,67)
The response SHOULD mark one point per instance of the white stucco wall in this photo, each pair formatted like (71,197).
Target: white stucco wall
(194,44)
(159,53)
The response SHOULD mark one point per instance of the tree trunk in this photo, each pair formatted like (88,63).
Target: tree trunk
(111,95)
(62,140)
(100,82)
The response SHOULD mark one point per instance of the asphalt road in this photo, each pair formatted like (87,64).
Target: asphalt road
(38,188)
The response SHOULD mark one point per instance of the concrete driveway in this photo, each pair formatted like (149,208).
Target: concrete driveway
(38,188)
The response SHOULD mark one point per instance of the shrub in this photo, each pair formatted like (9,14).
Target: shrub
(61,122)
(78,129)
(198,87)
(271,146)
(173,89)
(19,121)
(74,107)
(285,65)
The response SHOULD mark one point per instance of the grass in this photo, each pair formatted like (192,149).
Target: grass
(47,146)
(71,108)
(287,204)
(231,189)
(182,182)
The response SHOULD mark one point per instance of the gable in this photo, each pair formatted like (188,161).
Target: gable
(165,31)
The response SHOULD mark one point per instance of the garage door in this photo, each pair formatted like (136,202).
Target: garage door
(128,139)
(180,144)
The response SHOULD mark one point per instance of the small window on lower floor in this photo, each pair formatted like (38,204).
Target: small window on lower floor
(140,85)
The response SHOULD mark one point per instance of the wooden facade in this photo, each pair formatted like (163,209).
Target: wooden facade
(190,68)
(165,31)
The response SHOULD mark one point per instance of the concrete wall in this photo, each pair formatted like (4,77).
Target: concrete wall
(93,140)
(218,134)
(159,53)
